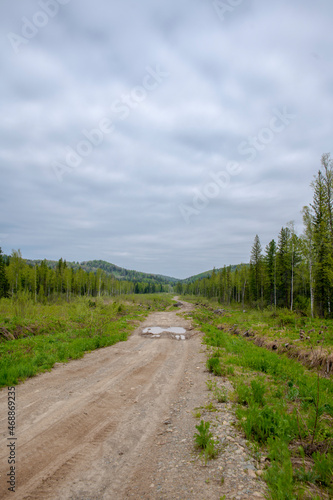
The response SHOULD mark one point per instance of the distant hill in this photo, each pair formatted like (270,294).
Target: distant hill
(206,274)
(119,273)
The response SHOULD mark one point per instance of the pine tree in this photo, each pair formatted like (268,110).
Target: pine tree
(327,164)
(256,270)
(294,250)
(322,244)
(270,261)
(284,262)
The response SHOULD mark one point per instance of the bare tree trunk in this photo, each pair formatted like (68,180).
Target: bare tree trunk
(243,293)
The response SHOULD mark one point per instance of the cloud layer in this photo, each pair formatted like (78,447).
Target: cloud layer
(160,136)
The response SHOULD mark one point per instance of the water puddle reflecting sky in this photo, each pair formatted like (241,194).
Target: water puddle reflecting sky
(157,330)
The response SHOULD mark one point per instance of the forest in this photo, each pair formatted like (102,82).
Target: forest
(294,272)
(44,281)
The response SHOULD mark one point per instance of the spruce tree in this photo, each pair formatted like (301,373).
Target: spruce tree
(256,270)
(270,261)
(322,244)
(284,262)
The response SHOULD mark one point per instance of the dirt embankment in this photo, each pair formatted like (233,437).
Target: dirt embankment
(311,357)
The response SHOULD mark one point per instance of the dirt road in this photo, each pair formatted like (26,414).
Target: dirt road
(82,428)
(103,427)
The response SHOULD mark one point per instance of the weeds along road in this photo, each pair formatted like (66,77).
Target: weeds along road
(84,428)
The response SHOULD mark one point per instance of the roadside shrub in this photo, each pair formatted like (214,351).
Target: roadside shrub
(302,304)
(243,393)
(204,436)
(279,476)
(258,391)
(221,394)
(323,466)
(286,318)
(205,441)
(262,423)
(214,366)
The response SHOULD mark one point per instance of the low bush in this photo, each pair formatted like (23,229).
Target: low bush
(214,366)
(204,440)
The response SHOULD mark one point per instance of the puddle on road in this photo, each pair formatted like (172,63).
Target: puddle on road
(157,329)
(175,332)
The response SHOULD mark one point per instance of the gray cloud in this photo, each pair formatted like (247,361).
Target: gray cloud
(225,78)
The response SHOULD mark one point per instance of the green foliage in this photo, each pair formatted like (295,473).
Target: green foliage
(297,272)
(210,407)
(46,281)
(204,440)
(258,391)
(323,466)
(45,334)
(256,271)
(305,476)
(211,451)
(221,394)
(4,285)
(279,476)
(243,393)
(214,366)
(210,384)
(262,423)
(286,318)
(250,394)
(204,435)
(280,403)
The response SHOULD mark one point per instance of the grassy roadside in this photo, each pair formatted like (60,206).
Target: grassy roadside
(309,340)
(284,409)
(33,337)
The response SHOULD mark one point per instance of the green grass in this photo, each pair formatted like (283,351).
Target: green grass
(47,334)
(204,440)
(281,406)
(281,325)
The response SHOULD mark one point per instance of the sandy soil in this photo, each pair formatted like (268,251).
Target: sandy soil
(99,427)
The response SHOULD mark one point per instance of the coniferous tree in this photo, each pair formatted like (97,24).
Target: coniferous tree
(256,270)
(322,243)
(308,250)
(284,267)
(327,164)
(270,261)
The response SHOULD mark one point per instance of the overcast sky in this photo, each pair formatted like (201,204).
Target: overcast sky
(160,136)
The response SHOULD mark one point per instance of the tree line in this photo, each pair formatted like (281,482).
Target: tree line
(295,272)
(43,282)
